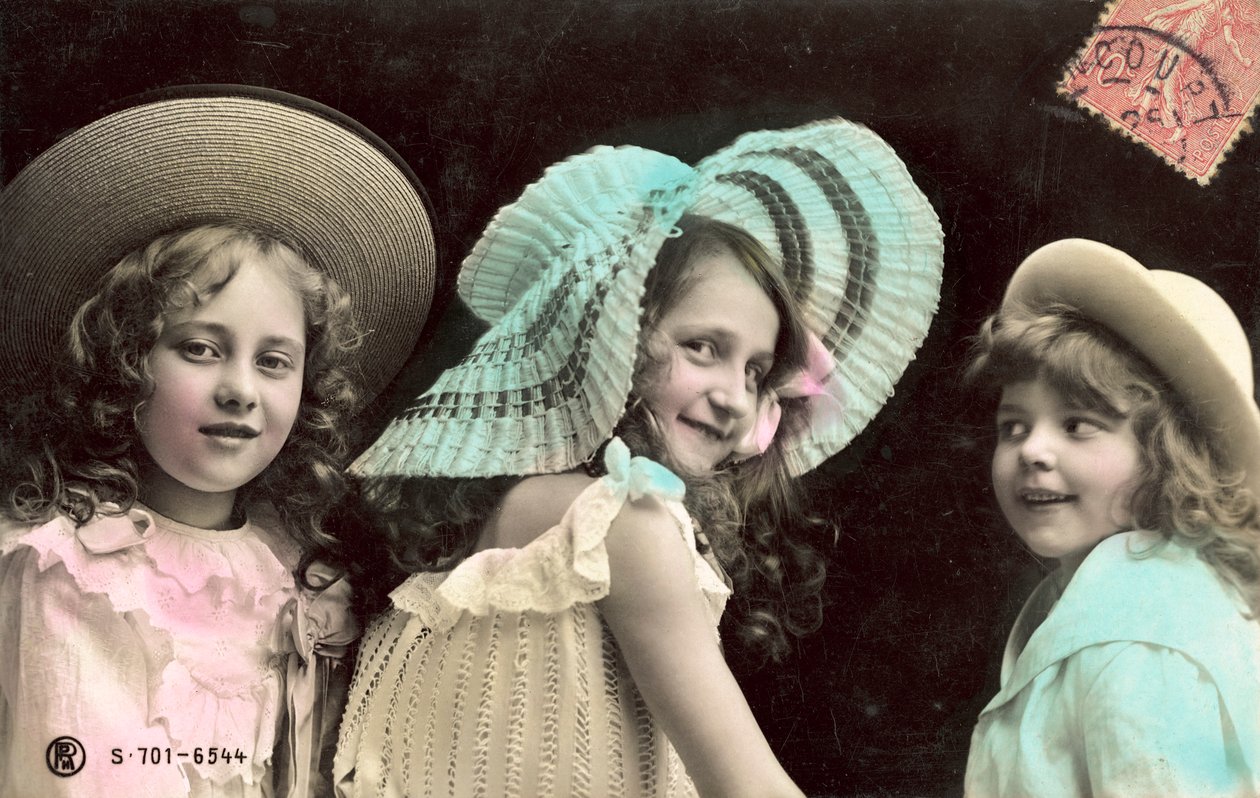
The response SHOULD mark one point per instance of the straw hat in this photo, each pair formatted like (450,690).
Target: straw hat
(197,155)
(1184,328)
(559,274)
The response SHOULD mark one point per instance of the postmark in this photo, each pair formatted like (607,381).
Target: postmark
(1181,77)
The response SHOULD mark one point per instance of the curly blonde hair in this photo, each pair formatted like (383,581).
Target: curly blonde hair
(1186,489)
(88,451)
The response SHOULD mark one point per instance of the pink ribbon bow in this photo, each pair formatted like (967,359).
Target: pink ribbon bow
(810,381)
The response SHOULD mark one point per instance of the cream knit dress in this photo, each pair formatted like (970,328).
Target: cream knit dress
(499,678)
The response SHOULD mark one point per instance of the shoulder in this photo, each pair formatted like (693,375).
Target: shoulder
(646,515)
(265,524)
(1127,667)
(1127,592)
(1136,587)
(1143,569)
(653,549)
(1141,587)
(1164,701)
(531,507)
(1137,718)
(17,534)
(11,533)
(28,579)
(643,494)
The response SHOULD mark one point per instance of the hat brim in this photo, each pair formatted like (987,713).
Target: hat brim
(217,154)
(1186,331)
(560,274)
(860,246)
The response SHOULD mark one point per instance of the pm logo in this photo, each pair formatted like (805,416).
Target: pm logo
(65,756)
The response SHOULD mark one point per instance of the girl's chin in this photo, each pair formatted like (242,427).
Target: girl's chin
(693,463)
(695,452)
(696,470)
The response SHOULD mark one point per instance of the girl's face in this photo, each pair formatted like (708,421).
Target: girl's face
(227,385)
(721,336)
(1063,476)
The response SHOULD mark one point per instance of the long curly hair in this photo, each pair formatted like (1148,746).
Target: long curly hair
(748,511)
(88,451)
(1186,490)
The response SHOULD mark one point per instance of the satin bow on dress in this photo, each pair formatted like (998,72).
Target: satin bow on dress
(322,628)
(107,534)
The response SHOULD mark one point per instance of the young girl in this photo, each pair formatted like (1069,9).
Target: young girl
(737,323)
(1129,451)
(153,636)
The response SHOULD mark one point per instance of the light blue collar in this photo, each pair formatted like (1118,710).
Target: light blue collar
(1135,586)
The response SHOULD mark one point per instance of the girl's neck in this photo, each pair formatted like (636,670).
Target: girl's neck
(175,500)
(1067,569)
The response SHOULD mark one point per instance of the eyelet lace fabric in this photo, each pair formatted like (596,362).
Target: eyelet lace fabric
(500,678)
(176,644)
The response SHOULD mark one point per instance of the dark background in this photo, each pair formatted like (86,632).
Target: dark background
(479,96)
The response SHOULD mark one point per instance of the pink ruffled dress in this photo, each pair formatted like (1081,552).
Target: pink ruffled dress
(500,679)
(168,653)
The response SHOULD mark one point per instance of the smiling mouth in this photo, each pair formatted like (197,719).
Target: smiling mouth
(704,429)
(228,431)
(1044,498)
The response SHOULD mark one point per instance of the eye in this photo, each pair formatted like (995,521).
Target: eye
(701,347)
(1011,429)
(198,351)
(1082,427)
(756,374)
(276,363)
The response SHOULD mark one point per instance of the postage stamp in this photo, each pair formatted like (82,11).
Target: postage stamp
(1181,77)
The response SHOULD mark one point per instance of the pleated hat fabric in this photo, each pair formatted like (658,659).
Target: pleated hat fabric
(560,273)
(197,155)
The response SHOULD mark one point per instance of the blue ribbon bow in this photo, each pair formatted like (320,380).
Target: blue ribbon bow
(637,477)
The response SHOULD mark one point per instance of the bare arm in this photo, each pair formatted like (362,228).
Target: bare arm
(659,619)
(1228,30)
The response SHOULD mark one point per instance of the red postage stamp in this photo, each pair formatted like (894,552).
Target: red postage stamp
(1180,77)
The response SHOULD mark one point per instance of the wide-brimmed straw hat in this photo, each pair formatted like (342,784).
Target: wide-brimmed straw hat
(194,155)
(559,274)
(1183,327)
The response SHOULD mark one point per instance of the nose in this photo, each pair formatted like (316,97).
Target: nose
(1037,450)
(237,387)
(732,393)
